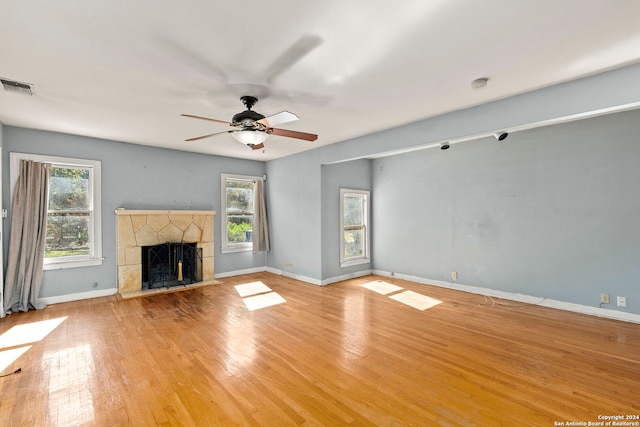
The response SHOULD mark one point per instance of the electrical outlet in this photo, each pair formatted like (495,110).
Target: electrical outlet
(622,301)
(287,264)
(454,275)
(604,298)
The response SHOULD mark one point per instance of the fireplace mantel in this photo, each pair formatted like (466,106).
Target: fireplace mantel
(138,228)
(123,211)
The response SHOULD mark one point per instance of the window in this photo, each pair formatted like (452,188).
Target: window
(354,227)
(74,226)
(238,195)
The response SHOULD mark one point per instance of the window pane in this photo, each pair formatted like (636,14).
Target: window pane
(239,196)
(354,243)
(67,235)
(354,246)
(68,189)
(239,211)
(69,216)
(239,228)
(353,211)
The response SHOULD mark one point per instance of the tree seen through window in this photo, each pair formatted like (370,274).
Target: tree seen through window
(240,197)
(68,219)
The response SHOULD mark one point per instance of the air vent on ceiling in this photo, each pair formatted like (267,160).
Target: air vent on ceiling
(13,86)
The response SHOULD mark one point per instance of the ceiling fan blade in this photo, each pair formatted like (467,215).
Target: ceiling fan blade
(209,136)
(206,118)
(290,56)
(257,146)
(278,119)
(293,134)
(188,64)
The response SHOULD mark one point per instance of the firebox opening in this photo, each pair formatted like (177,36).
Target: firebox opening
(171,264)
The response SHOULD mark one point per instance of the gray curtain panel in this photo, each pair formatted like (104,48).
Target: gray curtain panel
(260,227)
(28,237)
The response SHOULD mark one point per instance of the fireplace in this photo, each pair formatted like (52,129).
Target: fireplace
(138,229)
(171,264)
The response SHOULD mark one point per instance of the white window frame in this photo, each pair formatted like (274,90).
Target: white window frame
(95,219)
(366,257)
(227,247)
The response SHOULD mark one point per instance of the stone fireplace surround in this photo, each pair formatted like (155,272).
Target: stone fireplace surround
(138,228)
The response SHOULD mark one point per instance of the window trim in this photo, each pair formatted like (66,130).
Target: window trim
(95,197)
(366,257)
(225,246)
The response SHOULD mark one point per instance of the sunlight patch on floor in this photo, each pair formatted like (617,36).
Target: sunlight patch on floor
(410,298)
(253,288)
(415,300)
(257,295)
(261,301)
(69,393)
(20,335)
(381,287)
(29,332)
(7,357)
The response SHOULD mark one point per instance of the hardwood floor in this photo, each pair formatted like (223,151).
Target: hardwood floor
(335,355)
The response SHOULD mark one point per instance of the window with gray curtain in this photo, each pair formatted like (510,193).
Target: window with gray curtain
(243,216)
(74,225)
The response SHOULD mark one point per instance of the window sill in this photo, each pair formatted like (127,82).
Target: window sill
(72,264)
(230,250)
(353,262)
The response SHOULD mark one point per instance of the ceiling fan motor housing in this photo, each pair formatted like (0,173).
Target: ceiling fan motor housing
(247,118)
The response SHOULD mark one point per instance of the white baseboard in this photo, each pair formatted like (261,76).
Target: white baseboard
(270,270)
(291,275)
(346,277)
(544,302)
(273,270)
(79,296)
(239,272)
(317,282)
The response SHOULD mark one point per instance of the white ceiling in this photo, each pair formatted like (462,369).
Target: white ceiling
(125,70)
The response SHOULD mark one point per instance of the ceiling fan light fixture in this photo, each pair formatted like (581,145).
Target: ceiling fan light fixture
(251,137)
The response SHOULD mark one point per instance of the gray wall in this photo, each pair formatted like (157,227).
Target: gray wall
(356,175)
(552,212)
(297,200)
(294,203)
(303,207)
(133,177)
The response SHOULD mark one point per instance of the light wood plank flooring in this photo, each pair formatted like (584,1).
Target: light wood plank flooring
(335,355)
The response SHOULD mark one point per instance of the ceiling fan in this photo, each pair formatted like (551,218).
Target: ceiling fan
(253,128)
